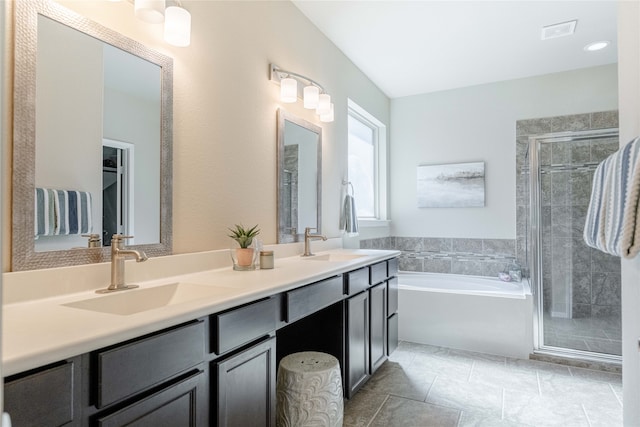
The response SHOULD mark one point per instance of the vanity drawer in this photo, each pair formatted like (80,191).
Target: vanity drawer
(306,300)
(392,267)
(136,366)
(378,272)
(41,398)
(357,281)
(242,325)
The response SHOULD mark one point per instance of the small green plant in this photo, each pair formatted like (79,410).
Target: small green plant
(244,236)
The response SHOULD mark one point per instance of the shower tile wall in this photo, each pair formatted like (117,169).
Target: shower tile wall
(291,184)
(579,281)
(476,257)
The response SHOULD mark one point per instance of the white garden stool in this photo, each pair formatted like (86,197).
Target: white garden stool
(309,391)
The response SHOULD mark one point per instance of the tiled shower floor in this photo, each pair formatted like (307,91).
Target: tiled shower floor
(588,334)
(421,386)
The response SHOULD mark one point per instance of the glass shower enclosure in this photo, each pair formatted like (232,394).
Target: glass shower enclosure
(576,288)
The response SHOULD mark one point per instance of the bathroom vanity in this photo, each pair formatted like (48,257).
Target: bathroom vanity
(210,361)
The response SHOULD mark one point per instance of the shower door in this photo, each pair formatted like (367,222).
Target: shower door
(577,288)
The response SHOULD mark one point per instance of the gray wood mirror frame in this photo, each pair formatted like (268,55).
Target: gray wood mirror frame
(299,177)
(29,14)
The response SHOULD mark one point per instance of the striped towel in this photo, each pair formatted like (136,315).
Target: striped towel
(45,212)
(63,212)
(612,223)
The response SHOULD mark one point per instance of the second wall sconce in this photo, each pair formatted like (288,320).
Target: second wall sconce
(311,92)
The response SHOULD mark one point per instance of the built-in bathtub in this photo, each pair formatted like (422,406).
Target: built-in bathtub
(466,312)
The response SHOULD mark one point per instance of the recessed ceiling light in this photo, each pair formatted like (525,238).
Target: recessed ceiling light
(558,30)
(592,47)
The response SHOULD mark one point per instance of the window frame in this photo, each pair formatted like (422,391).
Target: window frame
(380,163)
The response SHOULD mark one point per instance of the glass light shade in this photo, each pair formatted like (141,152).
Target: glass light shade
(329,116)
(288,90)
(177,26)
(151,11)
(311,94)
(324,104)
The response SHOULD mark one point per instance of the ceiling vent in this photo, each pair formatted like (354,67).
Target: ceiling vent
(559,30)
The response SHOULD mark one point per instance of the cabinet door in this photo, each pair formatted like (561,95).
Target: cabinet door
(392,333)
(246,387)
(48,397)
(378,316)
(181,404)
(392,296)
(357,343)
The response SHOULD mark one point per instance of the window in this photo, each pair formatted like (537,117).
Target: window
(367,162)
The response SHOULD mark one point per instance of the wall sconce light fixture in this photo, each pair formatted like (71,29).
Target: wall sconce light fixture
(177,26)
(312,93)
(177,20)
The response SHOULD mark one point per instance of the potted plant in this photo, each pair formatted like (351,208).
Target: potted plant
(243,256)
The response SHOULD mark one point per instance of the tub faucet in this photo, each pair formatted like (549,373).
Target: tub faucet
(307,240)
(118,255)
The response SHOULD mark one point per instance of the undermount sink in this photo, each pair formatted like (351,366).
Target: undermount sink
(334,257)
(142,299)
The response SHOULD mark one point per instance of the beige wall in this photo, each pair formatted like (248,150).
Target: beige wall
(225,112)
(3,137)
(629,93)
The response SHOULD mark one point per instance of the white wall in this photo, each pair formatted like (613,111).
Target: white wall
(136,120)
(479,124)
(224,168)
(68,120)
(629,92)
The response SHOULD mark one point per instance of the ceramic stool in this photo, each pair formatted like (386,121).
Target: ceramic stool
(309,391)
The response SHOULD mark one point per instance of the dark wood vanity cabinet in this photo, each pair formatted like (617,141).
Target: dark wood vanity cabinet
(371,334)
(219,370)
(243,373)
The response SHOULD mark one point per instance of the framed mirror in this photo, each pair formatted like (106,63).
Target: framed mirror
(92,150)
(299,177)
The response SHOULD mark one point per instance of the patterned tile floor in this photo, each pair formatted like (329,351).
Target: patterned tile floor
(589,334)
(421,386)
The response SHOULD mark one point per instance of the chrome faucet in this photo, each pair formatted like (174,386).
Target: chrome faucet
(118,255)
(307,240)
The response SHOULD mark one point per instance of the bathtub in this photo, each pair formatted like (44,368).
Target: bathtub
(466,312)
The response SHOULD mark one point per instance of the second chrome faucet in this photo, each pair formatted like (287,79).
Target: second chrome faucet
(307,240)
(118,255)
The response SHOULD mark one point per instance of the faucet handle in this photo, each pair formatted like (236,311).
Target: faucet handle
(118,239)
(94,240)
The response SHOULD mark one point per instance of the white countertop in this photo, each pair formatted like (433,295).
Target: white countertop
(42,331)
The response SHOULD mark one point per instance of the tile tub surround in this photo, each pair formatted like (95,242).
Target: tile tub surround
(567,173)
(422,385)
(474,257)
